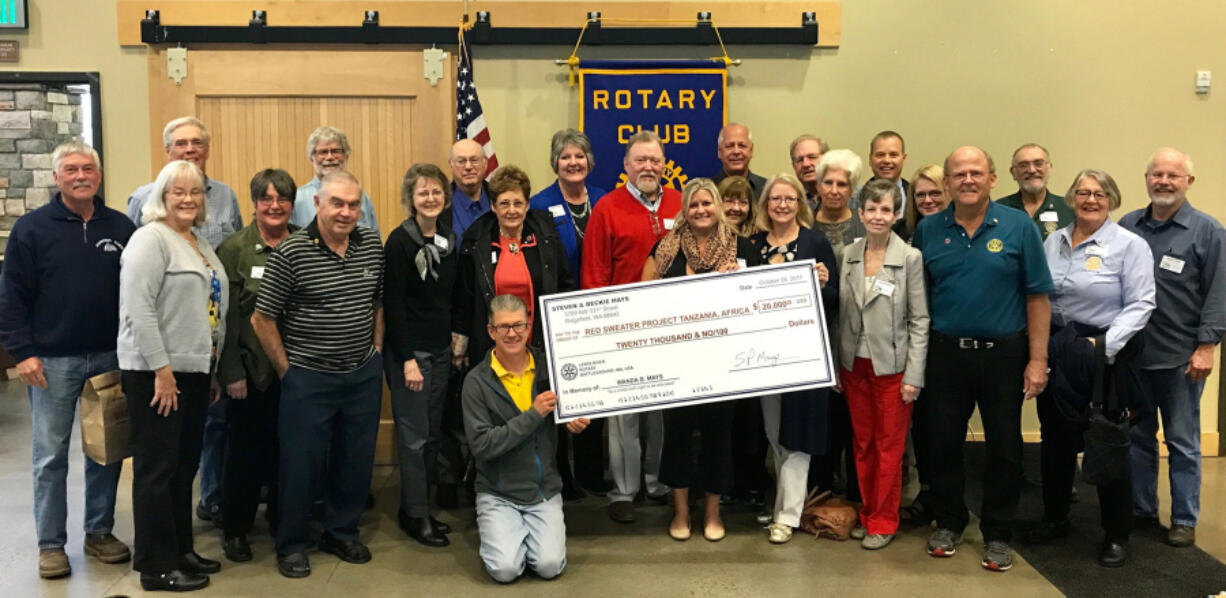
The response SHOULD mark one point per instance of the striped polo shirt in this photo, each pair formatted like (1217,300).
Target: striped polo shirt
(324,304)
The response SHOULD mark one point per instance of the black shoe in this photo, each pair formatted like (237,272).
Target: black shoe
(370,500)
(197,564)
(439,526)
(572,493)
(755,500)
(622,511)
(1046,531)
(424,531)
(294,566)
(1113,554)
(447,496)
(237,549)
(175,581)
(350,551)
(208,512)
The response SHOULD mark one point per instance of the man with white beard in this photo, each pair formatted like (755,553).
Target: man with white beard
(328,150)
(1031,168)
(1180,338)
(624,226)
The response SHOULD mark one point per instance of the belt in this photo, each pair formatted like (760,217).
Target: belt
(976,343)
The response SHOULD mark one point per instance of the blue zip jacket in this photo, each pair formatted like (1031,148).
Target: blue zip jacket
(59,287)
(550,200)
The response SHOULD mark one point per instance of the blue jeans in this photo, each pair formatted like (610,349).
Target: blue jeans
(213,454)
(1177,398)
(53,414)
(514,536)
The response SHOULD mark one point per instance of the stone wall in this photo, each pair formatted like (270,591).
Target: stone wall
(34,119)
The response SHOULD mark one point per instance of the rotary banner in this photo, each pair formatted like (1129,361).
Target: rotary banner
(684,102)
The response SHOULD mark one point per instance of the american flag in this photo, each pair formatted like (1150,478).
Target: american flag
(469,118)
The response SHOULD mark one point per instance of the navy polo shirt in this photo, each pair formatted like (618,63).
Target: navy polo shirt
(978,285)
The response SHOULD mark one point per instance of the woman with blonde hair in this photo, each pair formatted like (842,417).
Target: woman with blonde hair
(702,241)
(925,197)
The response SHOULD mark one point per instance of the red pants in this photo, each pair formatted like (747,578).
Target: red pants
(879,421)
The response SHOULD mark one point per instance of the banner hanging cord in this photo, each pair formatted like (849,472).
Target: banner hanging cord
(573,61)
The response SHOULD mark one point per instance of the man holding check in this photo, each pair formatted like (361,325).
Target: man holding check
(507,407)
(988,285)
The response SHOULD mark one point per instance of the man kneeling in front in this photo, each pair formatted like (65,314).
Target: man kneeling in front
(519,501)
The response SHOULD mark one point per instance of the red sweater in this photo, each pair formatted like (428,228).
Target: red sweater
(619,237)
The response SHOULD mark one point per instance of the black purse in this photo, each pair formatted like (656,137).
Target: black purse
(1106,459)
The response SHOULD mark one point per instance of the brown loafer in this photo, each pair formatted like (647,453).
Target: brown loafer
(1181,536)
(106,548)
(53,563)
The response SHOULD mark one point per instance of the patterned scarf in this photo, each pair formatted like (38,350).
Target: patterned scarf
(720,249)
(430,255)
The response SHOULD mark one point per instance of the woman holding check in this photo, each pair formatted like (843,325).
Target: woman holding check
(883,341)
(796,421)
(701,242)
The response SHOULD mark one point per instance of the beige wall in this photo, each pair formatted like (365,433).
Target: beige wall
(1098,83)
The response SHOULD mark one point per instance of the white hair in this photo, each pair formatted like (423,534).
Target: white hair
(73,147)
(183,121)
(155,206)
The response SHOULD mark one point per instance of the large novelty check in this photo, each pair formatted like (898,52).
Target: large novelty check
(688,340)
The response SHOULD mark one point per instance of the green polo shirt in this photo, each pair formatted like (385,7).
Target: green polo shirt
(243,255)
(1053,215)
(977,285)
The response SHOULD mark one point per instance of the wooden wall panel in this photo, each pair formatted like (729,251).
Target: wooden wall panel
(252,133)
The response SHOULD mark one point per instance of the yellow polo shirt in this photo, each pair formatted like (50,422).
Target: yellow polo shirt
(519,387)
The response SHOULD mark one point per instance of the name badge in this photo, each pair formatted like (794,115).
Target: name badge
(557,211)
(884,287)
(740,264)
(257,272)
(1049,216)
(493,257)
(1099,250)
(1171,264)
(441,242)
(668,224)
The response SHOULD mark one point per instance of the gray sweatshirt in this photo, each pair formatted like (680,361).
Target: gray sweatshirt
(164,291)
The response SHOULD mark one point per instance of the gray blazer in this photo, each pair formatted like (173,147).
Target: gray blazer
(896,324)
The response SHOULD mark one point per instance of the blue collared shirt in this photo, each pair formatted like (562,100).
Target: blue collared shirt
(978,284)
(304,208)
(224,219)
(1190,277)
(652,206)
(465,211)
(1106,282)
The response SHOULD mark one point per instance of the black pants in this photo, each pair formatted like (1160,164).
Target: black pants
(749,447)
(1062,440)
(452,461)
(958,380)
(252,455)
(589,455)
(165,456)
(840,453)
(330,419)
(923,444)
(714,423)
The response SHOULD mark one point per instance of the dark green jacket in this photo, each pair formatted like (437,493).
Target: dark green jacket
(242,357)
(1042,217)
(514,450)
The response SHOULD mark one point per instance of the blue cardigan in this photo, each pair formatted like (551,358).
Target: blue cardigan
(551,196)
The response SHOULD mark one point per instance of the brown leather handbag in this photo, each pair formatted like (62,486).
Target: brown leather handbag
(827,516)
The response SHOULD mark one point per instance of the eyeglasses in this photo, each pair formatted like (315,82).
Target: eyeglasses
(475,160)
(1087,194)
(1037,164)
(329,151)
(180,193)
(506,205)
(922,195)
(1163,176)
(504,329)
(184,143)
(780,199)
(271,199)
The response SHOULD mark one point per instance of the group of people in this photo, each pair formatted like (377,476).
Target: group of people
(257,354)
